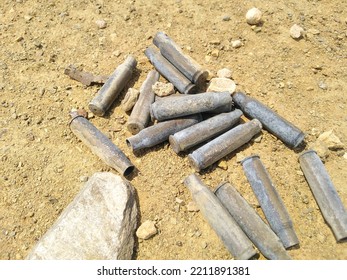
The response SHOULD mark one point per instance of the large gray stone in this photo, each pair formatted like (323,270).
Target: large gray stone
(99,223)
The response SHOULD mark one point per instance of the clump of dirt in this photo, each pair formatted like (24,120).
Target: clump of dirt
(44,165)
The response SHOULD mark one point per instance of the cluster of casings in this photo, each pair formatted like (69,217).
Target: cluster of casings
(187,120)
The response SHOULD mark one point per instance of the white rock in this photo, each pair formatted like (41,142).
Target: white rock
(146,230)
(331,141)
(130,99)
(236,44)
(221,84)
(101,23)
(163,89)
(296,31)
(192,207)
(99,224)
(224,73)
(253,16)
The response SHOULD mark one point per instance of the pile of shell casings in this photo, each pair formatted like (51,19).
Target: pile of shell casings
(206,125)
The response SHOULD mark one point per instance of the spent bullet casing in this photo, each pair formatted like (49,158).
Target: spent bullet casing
(189,104)
(224,144)
(271,121)
(113,86)
(324,192)
(184,63)
(219,219)
(167,70)
(247,218)
(202,131)
(160,132)
(140,114)
(100,144)
(270,201)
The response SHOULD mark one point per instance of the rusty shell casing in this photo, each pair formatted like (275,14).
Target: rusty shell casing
(164,109)
(255,228)
(324,192)
(205,130)
(271,121)
(270,201)
(168,71)
(160,132)
(140,114)
(223,144)
(113,86)
(184,63)
(234,239)
(100,145)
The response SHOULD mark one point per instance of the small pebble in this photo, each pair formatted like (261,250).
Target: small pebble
(253,16)
(331,141)
(215,53)
(258,139)
(224,73)
(179,201)
(83,179)
(296,31)
(223,165)
(146,230)
(322,85)
(226,18)
(130,99)
(236,44)
(221,84)
(163,89)
(192,207)
(101,24)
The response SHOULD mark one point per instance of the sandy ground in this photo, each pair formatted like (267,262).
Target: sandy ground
(43,164)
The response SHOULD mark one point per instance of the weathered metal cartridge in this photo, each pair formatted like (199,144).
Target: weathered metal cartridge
(164,109)
(184,63)
(223,144)
(113,86)
(140,115)
(219,219)
(327,198)
(270,201)
(204,130)
(167,70)
(271,121)
(100,144)
(160,132)
(247,218)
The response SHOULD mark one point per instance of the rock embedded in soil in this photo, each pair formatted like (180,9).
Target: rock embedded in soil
(296,31)
(146,230)
(253,16)
(163,89)
(236,44)
(130,99)
(331,141)
(98,224)
(221,84)
(101,24)
(224,73)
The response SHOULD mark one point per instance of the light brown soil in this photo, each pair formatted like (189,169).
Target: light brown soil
(42,161)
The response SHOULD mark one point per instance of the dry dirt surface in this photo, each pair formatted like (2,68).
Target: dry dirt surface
(43,165)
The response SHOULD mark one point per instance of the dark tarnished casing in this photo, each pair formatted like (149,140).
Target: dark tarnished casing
(113,86)
(324,192)
(100,145)
(140,114)
(271,121)
(167,70)
(270,201)
(234,239)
